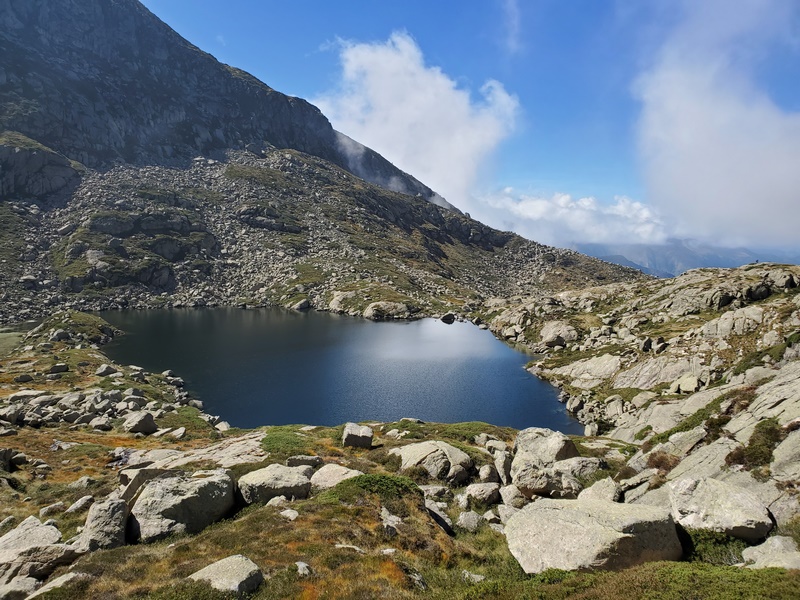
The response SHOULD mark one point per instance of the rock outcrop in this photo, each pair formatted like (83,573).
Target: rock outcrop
(237,574)
(272,481)
(590,534)
(179,503)
(439,459)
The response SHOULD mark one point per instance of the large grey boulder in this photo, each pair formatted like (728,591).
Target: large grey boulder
(537,451)
(357,436)
(439,459)
(785,464)
(272,481)
(606,489)
(541,447)
(105,526)
(580,467)
(32,549)
(590,372)
(548,482)
(590,534)
(482,493)
(180,503)
(778,551)
(557,333)
(719,506)
(379,311)
(330,475)
(439,516)
(237,574)
(140,422)
(18,588)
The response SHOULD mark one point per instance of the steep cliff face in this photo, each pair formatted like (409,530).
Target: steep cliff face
(106,82)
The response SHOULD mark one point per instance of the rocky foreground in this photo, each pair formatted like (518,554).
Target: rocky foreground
(689,388)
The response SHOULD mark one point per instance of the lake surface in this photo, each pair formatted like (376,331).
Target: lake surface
(276,367)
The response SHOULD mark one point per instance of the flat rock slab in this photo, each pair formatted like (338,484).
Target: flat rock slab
(330,475)
(719,506)
(579,535)
(228,453)
(237,574)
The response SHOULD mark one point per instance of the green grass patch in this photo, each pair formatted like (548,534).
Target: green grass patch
(282,441)
(756,358)
(386,487)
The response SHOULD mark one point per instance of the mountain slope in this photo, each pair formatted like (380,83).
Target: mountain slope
(136,170)
(105,82)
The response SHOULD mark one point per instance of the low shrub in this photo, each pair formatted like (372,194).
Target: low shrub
(713,547)
(663,461)
(758,451)
(284,441)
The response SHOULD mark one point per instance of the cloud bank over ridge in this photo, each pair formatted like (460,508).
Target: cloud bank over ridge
(721,158)
(718,155)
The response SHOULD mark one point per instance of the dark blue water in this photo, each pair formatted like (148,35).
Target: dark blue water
(275,367)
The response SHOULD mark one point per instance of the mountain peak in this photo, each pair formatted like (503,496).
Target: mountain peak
(107,82)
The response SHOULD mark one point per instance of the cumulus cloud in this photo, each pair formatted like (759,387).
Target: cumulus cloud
(720,155)
(417,116)
(561,219)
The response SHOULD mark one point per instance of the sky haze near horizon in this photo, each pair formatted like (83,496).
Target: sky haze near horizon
(567,122)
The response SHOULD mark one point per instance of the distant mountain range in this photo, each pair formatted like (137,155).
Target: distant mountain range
(677,256)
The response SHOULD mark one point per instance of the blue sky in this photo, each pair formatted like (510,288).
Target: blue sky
(564,120)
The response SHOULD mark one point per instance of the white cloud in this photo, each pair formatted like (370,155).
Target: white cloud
(561,219)
(221,39)
(720,156)
(513,26)
(417,117)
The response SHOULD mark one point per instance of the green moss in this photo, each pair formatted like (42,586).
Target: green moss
(11,242)
(386,487)
(756,358)
(19,140)
(260,176)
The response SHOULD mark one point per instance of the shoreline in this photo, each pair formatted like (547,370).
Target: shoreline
(539,400)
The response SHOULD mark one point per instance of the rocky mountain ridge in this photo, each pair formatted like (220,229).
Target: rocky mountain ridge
(105,83)
(137,171)
(269,227)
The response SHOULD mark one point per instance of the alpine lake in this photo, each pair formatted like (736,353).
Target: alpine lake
(271,366)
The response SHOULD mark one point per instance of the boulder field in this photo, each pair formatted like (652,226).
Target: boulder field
(701,441)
